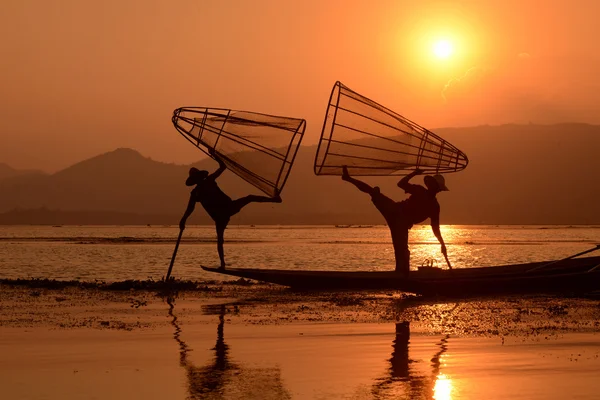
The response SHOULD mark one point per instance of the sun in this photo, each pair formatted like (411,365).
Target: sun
(443,49)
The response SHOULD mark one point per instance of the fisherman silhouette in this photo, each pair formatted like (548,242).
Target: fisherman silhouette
(401,216)
(217,204)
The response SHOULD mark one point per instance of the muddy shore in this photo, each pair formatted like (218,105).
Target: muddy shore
(144,305)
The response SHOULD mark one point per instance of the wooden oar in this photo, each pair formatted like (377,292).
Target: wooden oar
(564,259)
(174,254)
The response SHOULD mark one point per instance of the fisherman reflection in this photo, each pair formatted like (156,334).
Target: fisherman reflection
(399,361)
(222,378)
(217,204)
(403,377)
(210,379)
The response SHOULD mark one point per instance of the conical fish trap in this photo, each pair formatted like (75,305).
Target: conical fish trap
(259,148)
(372,140)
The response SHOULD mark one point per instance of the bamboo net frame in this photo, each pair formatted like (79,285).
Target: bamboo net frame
(371,139)
(259,148)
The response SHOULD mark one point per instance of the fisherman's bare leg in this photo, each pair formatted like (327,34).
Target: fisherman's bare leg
(242,202)
(362,186)
(220,240)
(401,251)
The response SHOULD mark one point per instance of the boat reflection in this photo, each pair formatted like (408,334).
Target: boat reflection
(223,378)
(406,379)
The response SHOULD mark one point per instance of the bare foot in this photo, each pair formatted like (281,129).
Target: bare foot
(345,174)
(277,199)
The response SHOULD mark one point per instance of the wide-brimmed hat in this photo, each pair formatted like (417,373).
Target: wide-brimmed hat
(439,181)
(195,176)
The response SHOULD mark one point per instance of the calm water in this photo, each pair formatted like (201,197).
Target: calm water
(219,356)
(319,361)
(114,253)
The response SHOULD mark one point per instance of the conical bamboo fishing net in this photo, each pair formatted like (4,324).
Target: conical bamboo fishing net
(372,140)
(259,148)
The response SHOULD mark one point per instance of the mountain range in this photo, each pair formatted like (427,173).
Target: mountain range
(7,171)
(517,174)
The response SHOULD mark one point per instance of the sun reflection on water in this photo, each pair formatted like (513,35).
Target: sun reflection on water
(426,250)
(443,388)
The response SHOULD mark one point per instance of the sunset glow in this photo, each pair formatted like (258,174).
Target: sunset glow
(443,49)
(300,199)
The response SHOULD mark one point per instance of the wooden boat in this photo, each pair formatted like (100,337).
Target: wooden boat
(563,276)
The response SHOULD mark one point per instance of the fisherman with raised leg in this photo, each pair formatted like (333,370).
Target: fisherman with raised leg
(401,216)
(217,204)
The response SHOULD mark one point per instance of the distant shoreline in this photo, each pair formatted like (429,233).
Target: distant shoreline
(305,226)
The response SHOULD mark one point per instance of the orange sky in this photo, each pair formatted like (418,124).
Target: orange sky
(79,78)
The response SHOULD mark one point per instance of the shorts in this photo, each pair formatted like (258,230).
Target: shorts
(392,211)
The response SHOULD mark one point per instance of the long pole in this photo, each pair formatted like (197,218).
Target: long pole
(174,254)
(447,261)
(564,259)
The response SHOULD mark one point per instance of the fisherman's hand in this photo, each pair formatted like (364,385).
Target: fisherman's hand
(418,171)
(345,174)
(444,251)
(214,155)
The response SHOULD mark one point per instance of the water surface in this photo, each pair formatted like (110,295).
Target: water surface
(113,253)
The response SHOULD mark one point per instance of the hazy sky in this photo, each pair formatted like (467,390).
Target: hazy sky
(79,78)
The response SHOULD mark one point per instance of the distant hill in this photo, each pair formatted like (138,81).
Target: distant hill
(526,174)
(518,174)
(121,181)
(8,172)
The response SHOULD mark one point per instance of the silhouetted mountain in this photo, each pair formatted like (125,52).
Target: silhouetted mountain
(7,171)
(518,174)
(526,174)
(121,180)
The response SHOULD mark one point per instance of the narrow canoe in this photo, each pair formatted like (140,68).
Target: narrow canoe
(568,276)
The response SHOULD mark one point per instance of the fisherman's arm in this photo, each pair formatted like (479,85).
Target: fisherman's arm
(405,184)
(435,226)
(222,166)
(189,210)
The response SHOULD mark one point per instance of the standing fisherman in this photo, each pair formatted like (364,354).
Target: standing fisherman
(217,204)
(401,216)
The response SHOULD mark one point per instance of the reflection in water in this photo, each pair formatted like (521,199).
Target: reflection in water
(223,378)
(405,379)
(442,390)
(209,381)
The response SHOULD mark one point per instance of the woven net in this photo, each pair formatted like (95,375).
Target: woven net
(372,140)
(259,148)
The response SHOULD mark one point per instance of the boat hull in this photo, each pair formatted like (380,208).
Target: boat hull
(571,276)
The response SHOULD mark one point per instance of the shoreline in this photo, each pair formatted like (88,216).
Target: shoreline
(258,341)
(135,305)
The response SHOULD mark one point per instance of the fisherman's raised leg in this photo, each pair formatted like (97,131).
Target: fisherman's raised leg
(242,202)
(362,186)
